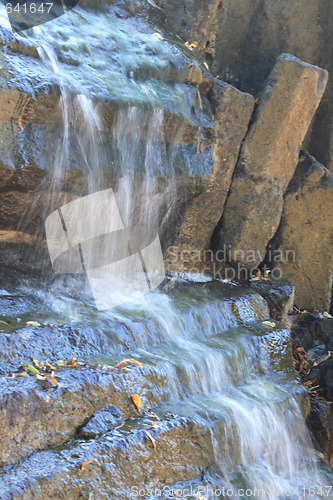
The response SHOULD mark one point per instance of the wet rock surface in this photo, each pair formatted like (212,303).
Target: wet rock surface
(101,422)
(279,294)
(232,111)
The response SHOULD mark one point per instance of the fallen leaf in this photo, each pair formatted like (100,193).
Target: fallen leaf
(48,365)
(132,360)
(137,401)
(61,362)
(53,379)
(327,315)
(35,362)
(206,66)
(201,147)
(85,463)
(19,122)
(75,455)
(72,363)
(40,377)
(22,374)
(121,364)
(268,323)
(151,439)
(29,368)
(124,362)
(309,382)
(33,323)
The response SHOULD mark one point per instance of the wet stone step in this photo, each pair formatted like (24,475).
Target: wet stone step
(32,417)
(117,464)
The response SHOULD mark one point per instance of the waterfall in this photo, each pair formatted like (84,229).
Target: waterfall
(206,355)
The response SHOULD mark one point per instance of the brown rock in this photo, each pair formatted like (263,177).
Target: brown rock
(307,228)
(232,112)
(241,39)
(269,157)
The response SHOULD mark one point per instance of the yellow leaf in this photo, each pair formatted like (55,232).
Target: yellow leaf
(61,362)
(206,66)
(21,374)
(40,377)
(48,365)
(35,362)
(151,439)
(137,401)
(72,363)
(327,315)
(132,360)
(268,323)
(53,379)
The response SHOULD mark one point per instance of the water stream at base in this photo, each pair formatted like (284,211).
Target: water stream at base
(204,349)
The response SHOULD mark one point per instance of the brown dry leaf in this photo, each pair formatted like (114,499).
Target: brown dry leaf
(21,374)
(201,147)
(82,467)
(121,364)
(132,360)
(19,122)
(48,365)
(53,379)
(153,424)
(137,401)
(309,382)
(213,116)
(72,363)
(124,362)
(75,455)
(151,439)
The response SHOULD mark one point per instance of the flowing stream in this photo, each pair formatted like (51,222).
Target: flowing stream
(205,352)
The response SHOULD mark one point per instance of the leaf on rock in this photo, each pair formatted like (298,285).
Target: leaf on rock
(151,439)
(29,368)
(270,324)
(48,365)
(137,401)
(124,362)
(72,363)
(40,377)
(33,323)
(22,374)
(61,362)
(82,467)
(53,379)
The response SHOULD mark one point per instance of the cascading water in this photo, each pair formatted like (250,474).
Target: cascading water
(205,352)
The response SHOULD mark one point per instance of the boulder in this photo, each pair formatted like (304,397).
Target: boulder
(240,39)
(232,112)
(307,228)
(269,157)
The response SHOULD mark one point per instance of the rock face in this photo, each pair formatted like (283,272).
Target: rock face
(307,228)
(269,157)
(242,38)
(232,112)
